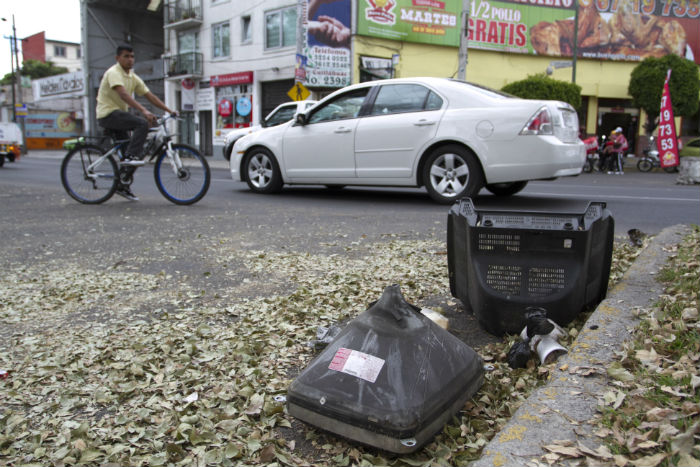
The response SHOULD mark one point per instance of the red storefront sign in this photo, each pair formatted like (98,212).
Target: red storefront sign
(667,142)
(225,108)
(232,79)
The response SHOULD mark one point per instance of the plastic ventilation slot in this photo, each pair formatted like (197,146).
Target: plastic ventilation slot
(504,279)
(490,242)
(542,282)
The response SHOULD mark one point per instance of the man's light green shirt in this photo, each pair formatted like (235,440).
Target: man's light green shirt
(107,98)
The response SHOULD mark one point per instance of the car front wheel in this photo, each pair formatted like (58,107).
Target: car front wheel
(450,173)
(262,171)
(506,189)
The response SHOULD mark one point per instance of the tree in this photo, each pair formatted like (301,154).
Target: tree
(35,70)
(647,82)
(541,86)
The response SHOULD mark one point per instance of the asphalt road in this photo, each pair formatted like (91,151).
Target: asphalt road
(42,226)
(648,202)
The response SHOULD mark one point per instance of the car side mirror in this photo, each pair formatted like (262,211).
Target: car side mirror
(300,119)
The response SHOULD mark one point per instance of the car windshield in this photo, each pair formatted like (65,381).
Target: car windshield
(282,115)
(486,90)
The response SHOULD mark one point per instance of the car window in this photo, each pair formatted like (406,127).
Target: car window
(282,115)
(434,102)
(400,98)
(346,105)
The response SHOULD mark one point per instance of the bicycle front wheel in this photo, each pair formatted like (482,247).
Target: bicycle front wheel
(88,177)
(187,184)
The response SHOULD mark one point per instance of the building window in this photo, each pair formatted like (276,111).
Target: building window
(281,28)
(245,30)
(221,40)
(77,52)
(59,51)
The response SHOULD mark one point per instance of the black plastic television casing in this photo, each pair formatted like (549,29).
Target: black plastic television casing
(503,261)
(426,377)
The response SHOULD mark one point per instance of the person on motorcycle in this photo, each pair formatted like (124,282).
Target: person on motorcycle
(615,147)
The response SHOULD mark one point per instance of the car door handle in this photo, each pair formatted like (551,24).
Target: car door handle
(342,129)
(424,122)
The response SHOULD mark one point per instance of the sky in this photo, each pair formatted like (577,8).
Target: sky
(60,19)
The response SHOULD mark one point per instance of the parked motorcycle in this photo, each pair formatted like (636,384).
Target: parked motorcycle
(650,159)
(592,156)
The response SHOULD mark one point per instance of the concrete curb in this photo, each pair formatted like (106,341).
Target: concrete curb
(562,408)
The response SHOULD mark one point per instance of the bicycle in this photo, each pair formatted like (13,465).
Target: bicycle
(91,175)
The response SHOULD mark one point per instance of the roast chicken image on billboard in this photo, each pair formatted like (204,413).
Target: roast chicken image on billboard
(625,34)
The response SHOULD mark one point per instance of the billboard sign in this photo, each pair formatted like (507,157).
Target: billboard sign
(326,44)
(64,85)
(52,125)
(628,30)
(424,21)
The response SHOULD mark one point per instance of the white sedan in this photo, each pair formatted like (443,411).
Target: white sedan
(450,136)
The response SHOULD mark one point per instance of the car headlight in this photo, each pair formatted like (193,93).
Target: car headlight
(539,124)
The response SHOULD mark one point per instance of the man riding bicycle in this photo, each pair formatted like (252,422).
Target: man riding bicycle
(114,98)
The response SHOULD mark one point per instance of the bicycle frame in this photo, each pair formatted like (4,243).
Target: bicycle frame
(159,134)
(88,170)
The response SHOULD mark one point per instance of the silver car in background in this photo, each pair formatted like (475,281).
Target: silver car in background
(280,114)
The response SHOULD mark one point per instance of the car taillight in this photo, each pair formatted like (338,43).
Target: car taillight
(539,124)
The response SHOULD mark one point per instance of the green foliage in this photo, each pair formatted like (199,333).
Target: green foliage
(541,86)
(35,70)
(647,81)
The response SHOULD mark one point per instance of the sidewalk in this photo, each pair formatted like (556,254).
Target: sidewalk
(562,408)
(214,161)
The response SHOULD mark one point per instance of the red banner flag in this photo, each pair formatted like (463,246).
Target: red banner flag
(667,142)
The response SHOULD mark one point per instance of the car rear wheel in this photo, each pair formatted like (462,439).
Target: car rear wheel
(263,174)
(506,189)
(450,173)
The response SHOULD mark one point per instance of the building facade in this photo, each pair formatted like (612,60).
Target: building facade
(60,53)
(228,63)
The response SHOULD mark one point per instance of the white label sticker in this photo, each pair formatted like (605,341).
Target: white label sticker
(357,364)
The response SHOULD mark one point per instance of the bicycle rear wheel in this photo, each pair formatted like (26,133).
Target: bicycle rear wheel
(84,180)
(186,185)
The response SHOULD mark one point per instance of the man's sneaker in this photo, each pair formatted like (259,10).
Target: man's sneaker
(125,191)
(132,162)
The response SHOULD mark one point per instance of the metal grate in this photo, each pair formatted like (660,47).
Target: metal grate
(542,282)
(490,242)
(504,279)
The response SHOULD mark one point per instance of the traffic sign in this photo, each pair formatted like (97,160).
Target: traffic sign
(299,92)
(21,110)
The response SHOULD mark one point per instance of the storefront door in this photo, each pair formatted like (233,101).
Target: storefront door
(205,133)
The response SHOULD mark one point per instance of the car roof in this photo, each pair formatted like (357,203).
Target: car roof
(456,91)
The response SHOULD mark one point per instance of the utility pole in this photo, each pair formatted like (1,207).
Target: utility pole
(463,42)
(17,78)
(12,64)
(573,60)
